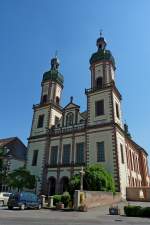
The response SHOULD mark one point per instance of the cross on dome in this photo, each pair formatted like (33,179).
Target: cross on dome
(101,32)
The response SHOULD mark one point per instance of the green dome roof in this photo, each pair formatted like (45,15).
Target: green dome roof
(102,55)
(53,75)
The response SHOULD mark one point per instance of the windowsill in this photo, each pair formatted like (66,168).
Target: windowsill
(101,161)
(102,117)
(99,115)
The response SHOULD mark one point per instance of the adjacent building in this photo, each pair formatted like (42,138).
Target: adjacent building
(63,139)
(12,156)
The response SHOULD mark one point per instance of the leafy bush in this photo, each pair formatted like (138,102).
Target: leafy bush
(137,211)
(56,199)
(74,184)
(145,212)
(132,210)
(65,198)
(96,178)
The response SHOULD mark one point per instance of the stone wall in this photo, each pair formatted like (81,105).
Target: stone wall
(138,194)
(96,198)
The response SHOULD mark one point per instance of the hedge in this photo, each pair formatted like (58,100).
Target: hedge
(56,199)
(64,198)
(137,211)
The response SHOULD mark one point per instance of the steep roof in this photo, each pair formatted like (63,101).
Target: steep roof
(53,75)
(136,145)
(16,147)
(5,141)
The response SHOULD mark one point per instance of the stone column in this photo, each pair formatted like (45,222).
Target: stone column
(50,201)
(81,179)
(43,200)
(76,199)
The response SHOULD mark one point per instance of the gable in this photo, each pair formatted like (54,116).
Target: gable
(71,106)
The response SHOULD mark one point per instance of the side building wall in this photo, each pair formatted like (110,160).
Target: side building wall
(36,169)
(15,164)
(138,172)
(122,163)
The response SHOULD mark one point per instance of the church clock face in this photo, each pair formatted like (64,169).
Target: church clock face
(98,71)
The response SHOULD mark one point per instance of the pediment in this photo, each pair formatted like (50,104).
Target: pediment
(71,105)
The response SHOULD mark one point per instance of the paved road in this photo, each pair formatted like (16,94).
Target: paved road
(95,216)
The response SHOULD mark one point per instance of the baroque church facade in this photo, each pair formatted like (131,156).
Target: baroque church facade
(62,140)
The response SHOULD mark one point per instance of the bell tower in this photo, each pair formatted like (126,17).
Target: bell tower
(104,99)
(48,111)
(102,65)
(52,84)
(45,115)
(105,116)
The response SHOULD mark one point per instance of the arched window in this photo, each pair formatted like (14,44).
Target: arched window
(64,182)
(44,99)
(52,186)
(99,82)
(57,100)
(81,121)
(69,119)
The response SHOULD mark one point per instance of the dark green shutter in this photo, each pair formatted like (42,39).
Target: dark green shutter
(100,152)
(79,153)
(54,154)
(66,154)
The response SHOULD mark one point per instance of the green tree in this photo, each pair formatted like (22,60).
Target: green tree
(2,166)
(21,178)
(96,178)
(74,184)
(1,161)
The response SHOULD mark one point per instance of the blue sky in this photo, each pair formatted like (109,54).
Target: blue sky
(32,30)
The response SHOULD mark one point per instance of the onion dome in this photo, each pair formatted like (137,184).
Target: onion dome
(102,54)
(53,74)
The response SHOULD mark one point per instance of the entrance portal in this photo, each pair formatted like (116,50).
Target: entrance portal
(64,182)
(51,186)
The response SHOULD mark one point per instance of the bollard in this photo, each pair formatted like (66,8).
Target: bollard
(50,201)
(43,200)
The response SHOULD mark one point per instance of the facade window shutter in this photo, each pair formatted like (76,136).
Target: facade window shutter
(117,111)
(54,154)
(35,157)
(100,152)
(66,154)
(80,153)
(40,121)
(122,155)
(99,108)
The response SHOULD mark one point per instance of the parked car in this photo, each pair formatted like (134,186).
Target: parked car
(4,196)
(24,200)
